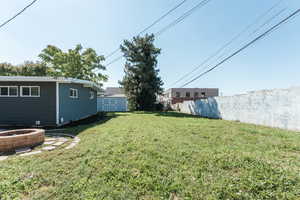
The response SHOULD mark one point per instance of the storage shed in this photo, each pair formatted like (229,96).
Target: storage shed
(45,101)
(113,100)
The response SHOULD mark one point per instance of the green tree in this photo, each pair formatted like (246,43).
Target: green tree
(7,69)
(28,68)
(141,82)
(77,63)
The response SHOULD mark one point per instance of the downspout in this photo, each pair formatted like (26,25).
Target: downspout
(57,104)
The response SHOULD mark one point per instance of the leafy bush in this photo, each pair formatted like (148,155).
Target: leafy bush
(159,107)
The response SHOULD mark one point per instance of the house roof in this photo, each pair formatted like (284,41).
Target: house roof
(49,79)
(111,91)
(117,96)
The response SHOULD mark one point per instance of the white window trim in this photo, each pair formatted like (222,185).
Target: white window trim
(74,97)
(39,89)
(8,87)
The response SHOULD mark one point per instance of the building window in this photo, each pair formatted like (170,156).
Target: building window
(73,93)
(4,91)
(30,91)
(92,95)
(8,91)
(196,94)
(188,94)
(13,91)
(203,94)
(177,94)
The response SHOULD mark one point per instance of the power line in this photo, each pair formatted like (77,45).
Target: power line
(182,17)
(268,21)
(114,60)
(153,24)
(221,56)
(175,22)
(162,17)
(229,43)
(246,46)
(112,53)
(252,33)
(19,13)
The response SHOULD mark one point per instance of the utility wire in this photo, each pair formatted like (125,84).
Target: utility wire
(175,22)
(241,43)
(151,25)
(19,13)
(182,17)
(114,60)
(268,21)
(236,37)
(161,18)
(246,46)
(252,33)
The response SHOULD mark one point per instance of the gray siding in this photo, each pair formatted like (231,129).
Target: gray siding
(19,111)
(74,109)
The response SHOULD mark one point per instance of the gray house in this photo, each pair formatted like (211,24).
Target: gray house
(45,101)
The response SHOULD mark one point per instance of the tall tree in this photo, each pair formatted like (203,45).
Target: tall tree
(7,69)
(28,68)
(75,63)
(141,82)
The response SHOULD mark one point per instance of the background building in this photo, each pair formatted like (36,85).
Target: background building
(178,95)
(112,100)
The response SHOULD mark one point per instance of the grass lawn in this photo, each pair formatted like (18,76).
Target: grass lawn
(158,155)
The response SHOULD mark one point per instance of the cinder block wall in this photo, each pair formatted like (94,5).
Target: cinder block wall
(275,108)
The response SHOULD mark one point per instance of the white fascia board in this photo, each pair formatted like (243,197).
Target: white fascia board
(27,79)
(49,79)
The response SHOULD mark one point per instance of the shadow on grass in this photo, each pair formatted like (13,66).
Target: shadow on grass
(170,114)
(77,127)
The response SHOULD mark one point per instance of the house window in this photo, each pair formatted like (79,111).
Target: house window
(13,91)
(177,94)
(30,91)
(92,95)
(73,93)
(188,94)
(8,91)
(203,94)
(196,94)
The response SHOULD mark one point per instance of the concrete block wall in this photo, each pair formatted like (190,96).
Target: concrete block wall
(275,108)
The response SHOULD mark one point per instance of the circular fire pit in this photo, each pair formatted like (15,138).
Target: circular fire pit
(14,139)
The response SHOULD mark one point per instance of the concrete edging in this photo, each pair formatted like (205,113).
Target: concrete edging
(14,139)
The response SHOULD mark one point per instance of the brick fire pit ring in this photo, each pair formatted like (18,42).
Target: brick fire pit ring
(14,139)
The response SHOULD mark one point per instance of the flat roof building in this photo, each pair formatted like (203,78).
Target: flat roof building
(178,95)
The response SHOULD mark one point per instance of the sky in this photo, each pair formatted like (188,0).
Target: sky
(271,63)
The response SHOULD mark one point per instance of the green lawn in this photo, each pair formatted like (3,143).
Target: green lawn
(158,155)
